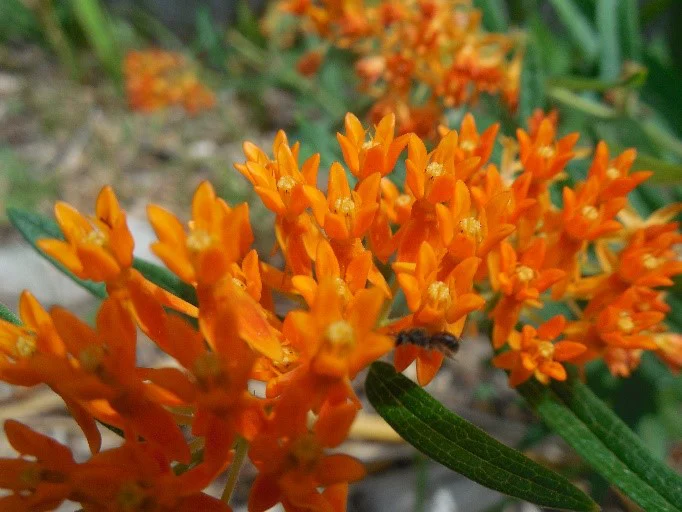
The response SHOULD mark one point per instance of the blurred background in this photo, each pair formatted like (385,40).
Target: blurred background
(70,123)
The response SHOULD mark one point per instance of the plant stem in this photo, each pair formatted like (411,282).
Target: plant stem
(56,38)
(241,446)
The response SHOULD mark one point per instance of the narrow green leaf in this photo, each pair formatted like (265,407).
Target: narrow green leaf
(581,104)
(609,48)
(454,442)
(580,29)
(164,278)
(33,227)
(664,172)
(494,14)
(630,32)
(97,27)
(603,440)
(581,83)
(7,315)
(532,84)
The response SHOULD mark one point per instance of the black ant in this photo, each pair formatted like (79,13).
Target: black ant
(444,341)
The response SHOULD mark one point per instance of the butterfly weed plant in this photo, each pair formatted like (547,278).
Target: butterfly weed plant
(464,236)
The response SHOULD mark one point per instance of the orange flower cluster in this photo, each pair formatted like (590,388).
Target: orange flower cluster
(435,50)
(155,79)
(459,235)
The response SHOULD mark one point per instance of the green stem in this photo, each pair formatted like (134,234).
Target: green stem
(241,446)
(584,105)
(55,36)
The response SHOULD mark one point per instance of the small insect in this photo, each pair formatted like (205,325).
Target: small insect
(444,342)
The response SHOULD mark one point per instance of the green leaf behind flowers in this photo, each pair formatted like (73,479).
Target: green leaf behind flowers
(603,440)
(457,444)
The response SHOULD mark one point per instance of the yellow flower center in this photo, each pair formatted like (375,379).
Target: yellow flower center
(612,173)
(590,212)
(471,227)
(546,151)
(341,288)
(435,169)
(285,184)
(439,293)
(199,240)
(288,358)
(96,237)
(340,336)
(403,200)
(25,346)
(208,367)
(238,283)
(546,349)
(305,453)
(625,323)
(525,273)
(344,205)
(31,476)
(92,357)
(130,496)
(369,145)
(650,261)
(468,145)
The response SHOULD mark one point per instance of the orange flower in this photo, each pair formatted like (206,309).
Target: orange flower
(218,237)
(649,258)
(42,480)
(349,214)
(98,248)
(338,343)
(612,175)
(291,470)
(472,230)
(36,335)
(283,187)
(156,79)
(349,278)
(137,476)
(378,154)
(670,349)
(105,360)
(436,304)
(533,353)
(622,324)
(131,477)
(101,249)
(541,155)
(309,63)
(431,177)
(521,280)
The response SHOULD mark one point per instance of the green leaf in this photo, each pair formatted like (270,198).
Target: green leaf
(33,227)
(579,28)
(164,278)
(581,104)
(98,29)
(7,315)
(609,48)
(532,84)
(603,440)
(664,172)
(454,442)
(494,15)
(580,83)
(630,32)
